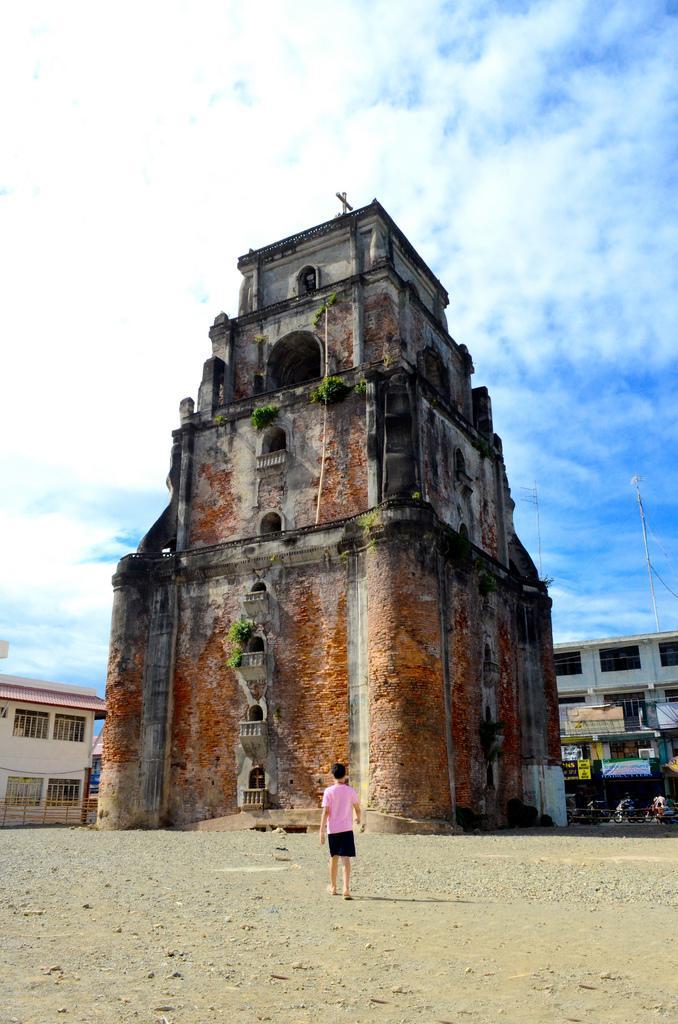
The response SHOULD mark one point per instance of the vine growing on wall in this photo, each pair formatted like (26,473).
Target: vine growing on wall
(330,391)
(237,636)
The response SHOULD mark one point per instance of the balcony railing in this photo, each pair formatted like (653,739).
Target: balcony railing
(256,598)
(253,665)
(255,799)
(257,729)
(271,460)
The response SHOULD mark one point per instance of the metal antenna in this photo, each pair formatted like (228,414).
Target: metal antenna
(635,480)
(533,497)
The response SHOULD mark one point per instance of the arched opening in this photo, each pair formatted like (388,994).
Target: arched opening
(257,777)
(490,775)
(434,369)
(488,713)
(271,523)
(275,440)
(307,281)
(255,644)
(463,530)
(459,463)
(255,713)
(258,587)
(488,654)
(293,360)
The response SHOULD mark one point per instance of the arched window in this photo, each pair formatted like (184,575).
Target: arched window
(294,359)
(255,713)
(459,463)
(463,530)
(275,440)
(258,586)
(307,281)
(257,778)
(256,643)
(271,523)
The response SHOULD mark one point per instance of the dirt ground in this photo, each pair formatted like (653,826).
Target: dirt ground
(168,927)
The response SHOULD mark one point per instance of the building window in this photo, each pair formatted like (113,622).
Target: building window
(626,748)
(69,727)
(63,791)
(633,705)
(24,791)
(307,281)
(31,725)
(671,696)
(271,523)
(572,700)
(668,652)
(620,659)
(568,663)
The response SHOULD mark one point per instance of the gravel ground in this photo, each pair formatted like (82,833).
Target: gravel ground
(171,927)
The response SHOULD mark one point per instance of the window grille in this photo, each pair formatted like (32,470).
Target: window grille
(568,663)
(24,791)
(69,727)
(31,724)
(619,659)
(63,791)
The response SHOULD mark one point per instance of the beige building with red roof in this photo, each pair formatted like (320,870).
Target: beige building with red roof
(46,735)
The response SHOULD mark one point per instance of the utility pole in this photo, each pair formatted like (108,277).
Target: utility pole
(635,480)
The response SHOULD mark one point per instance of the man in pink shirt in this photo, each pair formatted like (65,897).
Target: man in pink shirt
(339,802)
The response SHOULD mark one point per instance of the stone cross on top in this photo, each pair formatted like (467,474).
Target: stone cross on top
(346,206)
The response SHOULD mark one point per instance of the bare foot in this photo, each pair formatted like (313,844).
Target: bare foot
(347,896)
(331,890)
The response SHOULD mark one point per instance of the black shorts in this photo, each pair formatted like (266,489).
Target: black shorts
(342,844)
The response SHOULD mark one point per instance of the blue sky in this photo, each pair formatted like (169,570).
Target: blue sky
(528,150)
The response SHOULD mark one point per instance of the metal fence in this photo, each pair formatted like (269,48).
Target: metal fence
(48,812)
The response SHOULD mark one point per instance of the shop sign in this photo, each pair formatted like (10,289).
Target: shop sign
(627,768)
(576,769)
(571,753)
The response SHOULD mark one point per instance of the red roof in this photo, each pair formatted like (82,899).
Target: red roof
(58,698)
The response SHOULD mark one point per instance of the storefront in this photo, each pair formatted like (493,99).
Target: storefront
(637,777)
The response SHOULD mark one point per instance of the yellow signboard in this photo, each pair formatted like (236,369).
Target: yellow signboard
(584,769)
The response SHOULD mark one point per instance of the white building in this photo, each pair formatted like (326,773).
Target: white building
(46,733)
(619,715)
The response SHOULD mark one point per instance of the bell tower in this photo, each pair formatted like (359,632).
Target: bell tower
(336,575)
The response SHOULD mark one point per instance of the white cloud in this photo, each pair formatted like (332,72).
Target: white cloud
(525,149)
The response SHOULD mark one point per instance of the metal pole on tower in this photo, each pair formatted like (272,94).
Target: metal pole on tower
(635,480)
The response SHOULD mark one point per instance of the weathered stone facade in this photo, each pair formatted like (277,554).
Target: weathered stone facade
(396,623)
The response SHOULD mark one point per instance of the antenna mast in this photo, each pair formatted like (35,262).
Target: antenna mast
(635,480)
(532,496)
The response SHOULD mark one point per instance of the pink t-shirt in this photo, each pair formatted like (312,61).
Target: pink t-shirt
(339,800)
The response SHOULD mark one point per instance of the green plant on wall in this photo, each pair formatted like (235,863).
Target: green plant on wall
(262,416)
(259,339)
(327,304)
(331,390)
(481,446)
(487,584)
(368,520)
(361,387)
(237,636)
(219,420)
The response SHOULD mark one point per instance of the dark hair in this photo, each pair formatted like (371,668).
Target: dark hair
(339,770)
